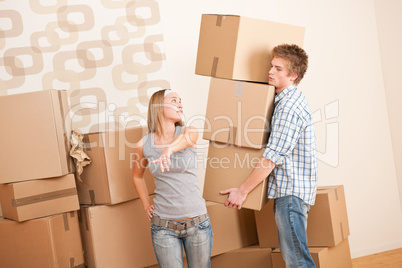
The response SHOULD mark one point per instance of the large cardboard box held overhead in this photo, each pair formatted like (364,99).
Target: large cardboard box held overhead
(327,222)
(323,257)
(28,200)
(239,48)
(239,112)
(117,236)
(47,242)
(228,167)
(109,177)
(34,136)
(252,256)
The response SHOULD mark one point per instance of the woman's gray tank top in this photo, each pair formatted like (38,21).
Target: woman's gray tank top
(177,194)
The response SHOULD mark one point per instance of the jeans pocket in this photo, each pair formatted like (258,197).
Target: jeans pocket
(205,224)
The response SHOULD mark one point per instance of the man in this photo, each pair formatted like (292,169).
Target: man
(290,155)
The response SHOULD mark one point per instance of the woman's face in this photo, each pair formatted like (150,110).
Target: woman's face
(172,108)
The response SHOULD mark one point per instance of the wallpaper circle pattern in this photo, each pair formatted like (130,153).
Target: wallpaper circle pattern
(108,55)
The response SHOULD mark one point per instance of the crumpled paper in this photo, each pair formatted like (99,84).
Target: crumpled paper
(81,159)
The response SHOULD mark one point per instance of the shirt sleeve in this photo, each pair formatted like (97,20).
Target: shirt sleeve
(286,128)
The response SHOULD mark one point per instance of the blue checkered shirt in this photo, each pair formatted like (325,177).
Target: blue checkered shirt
(292,147)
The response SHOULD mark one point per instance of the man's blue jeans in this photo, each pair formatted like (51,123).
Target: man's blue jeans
(291,221)
(197,241)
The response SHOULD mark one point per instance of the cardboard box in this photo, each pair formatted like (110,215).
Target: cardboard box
(48,242)
(324,257)
(239,113)
(252,256)
(232,228)
(117,236)
(109,177)
(34,140)
(239,48)
(228,167)
(327,223)
(28,200)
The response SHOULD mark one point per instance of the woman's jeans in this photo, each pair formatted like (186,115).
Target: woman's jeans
(291,221)
(197,241)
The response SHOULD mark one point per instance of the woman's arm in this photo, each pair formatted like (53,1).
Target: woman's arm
(187,138)
(139,165)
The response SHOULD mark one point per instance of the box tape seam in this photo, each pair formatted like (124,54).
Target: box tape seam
(43,197)
(92,197)
(62,108)
(65,220)
(214,66)
(232,134)
(219,19)
(238,92)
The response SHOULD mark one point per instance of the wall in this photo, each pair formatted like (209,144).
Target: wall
(108,55)
(388,18)
(344,85)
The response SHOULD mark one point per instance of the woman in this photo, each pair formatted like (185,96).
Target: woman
(178,212)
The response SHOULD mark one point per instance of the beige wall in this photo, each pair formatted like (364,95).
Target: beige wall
(344,85)
(389,23)
(108,55)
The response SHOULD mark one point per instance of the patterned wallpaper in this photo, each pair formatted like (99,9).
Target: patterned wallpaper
(107,54)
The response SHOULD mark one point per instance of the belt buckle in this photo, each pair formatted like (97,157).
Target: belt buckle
(181,226)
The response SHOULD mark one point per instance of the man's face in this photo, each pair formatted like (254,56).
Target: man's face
(279,75)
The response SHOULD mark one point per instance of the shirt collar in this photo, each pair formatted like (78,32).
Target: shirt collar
(284,93)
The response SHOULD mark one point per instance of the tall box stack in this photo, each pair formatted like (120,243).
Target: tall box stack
(327,229)
(114,228)
(38,193)
(236,52)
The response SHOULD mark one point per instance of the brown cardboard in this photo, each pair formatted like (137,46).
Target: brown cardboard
(130,244)
(28,200)
(34,140)
(327,223)
(239,113)
(229,166)
(232,228)
(252,256)
(323,257)
(239,48)
(47,242)
(108,179)
(117,236)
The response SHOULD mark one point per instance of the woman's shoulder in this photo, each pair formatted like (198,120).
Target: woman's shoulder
(143,140)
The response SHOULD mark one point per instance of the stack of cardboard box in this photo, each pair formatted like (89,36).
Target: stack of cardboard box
(235,52)
(38,194)
(327,230)
(114,228)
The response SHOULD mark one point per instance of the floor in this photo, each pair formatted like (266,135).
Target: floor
(387,259)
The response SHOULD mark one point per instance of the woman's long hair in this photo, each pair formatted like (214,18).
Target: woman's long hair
(155,113)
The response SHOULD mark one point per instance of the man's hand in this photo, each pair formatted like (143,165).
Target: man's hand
(235,199)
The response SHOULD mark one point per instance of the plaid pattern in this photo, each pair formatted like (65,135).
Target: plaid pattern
(292,147)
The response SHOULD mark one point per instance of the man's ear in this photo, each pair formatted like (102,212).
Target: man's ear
(294,76)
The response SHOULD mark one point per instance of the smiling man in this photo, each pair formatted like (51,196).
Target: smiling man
(290,158)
